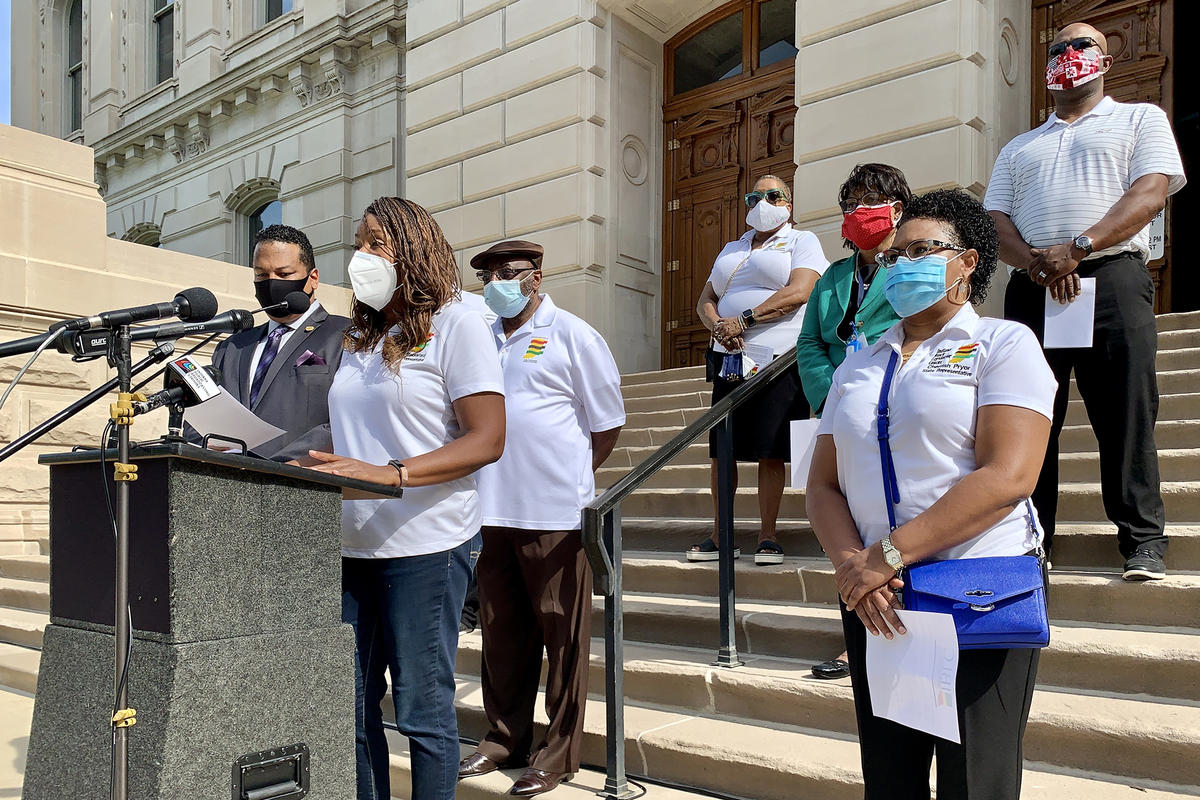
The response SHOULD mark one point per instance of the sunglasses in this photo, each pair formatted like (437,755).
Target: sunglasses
(772,196)
(918,248)
(1081,43)
(504,273)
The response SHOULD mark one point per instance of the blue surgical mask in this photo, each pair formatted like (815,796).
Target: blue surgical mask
(505,298)
(914,285)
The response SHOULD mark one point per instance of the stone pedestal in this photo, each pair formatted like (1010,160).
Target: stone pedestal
(238,647)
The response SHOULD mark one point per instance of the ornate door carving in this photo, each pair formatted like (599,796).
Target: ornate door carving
(1139,34)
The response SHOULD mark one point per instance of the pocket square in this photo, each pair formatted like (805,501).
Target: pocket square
(310,359)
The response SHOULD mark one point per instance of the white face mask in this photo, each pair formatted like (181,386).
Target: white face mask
(373,279)
(766,217)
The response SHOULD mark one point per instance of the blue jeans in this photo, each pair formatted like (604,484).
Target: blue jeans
(405,614)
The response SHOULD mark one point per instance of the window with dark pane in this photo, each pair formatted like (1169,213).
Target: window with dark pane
(264,217)
(776,31)
(713,54)
(75,65)
(277,8)
(164,40)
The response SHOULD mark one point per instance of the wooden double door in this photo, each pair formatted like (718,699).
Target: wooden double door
(714,155)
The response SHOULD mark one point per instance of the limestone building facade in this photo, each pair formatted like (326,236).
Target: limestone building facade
(620,133)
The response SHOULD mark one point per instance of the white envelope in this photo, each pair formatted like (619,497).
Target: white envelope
(912,677)
(1071,325)
(804,439)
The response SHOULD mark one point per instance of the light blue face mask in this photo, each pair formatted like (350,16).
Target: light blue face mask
(914,285)
(505,298)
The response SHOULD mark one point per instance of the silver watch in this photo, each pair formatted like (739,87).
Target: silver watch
(891,555)
(1084,243)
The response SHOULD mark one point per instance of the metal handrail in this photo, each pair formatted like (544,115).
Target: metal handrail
(601,534)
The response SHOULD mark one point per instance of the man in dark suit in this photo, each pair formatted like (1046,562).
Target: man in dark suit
(282,370)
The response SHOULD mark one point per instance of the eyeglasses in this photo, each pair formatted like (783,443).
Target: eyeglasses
(504,273)
(917,248)
(772,196)
(869,199)
(1081,43)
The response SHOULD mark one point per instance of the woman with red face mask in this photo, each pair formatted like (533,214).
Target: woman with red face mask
(847,309)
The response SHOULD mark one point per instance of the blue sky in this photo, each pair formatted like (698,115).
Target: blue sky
(5,59)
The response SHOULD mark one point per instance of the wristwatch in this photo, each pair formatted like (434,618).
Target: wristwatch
(748,318)
(891,555)
(1084,243)
(400,468)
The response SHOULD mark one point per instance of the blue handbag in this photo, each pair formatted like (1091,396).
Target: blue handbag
(997,602)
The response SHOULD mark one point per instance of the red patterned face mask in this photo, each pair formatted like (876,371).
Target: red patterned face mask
(867,226)
(1073,68)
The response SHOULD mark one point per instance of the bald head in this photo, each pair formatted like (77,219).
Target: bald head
(1076,30)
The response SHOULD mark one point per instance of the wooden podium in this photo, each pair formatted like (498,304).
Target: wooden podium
(241,672)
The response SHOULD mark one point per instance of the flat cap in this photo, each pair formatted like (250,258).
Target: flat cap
(506,251)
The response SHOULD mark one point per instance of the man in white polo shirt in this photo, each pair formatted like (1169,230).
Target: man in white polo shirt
(1074,198)
(564,410)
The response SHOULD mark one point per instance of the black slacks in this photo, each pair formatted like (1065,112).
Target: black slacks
(535,594)
(1117,381)
(994,689)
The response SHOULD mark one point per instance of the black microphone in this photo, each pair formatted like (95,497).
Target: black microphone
(185,387)
(293,302)
(89,344)
(197,304)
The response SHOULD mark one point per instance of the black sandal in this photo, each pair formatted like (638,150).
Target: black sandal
(768,552)
(832,669)
(707,551)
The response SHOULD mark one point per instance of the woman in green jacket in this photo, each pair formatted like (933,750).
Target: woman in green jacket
(846,309)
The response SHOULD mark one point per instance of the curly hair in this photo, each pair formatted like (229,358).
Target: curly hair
(427,279)
(286,234)
(882,179)
(972,227)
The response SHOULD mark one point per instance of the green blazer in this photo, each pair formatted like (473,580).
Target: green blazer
(818,348)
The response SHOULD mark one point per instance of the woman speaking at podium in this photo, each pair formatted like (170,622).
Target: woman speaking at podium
(417,402)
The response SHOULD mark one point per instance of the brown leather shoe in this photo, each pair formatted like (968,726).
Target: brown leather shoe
(538,781)
(476,764)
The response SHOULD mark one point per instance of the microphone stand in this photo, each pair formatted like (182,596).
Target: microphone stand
(122,414)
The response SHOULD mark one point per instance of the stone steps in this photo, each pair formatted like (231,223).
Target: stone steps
(21,627)
(1077,502)
(31,595)
(1089,596)
(29,566)
(734,755)
(19,667)
(1090,731)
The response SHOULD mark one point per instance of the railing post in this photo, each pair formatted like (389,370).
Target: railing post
(616,785)
(727,656)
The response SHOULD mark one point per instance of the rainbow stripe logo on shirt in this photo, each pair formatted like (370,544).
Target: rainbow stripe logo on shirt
(965,352)
(536,348)
(421,347)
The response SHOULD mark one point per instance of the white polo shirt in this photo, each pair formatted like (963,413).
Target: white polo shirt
(1059,179)
(477,303)
(377,415)
(934,400)
(561,385)
(766,272)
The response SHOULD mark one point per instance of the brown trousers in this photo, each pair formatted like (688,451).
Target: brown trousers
(535,593)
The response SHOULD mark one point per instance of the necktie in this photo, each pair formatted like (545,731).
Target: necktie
(264,361)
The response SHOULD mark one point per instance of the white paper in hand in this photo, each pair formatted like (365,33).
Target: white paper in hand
(804,439)
(1071,325)
(912,677)
(225,416)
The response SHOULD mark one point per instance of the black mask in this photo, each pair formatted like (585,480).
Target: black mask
(271,292)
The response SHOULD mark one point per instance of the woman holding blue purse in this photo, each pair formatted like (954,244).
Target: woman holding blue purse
(930,444)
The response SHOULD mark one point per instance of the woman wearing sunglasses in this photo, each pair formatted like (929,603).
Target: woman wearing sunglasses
(753,302)
(963,404)
(847,310)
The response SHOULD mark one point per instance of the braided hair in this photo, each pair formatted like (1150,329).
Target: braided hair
(427,278)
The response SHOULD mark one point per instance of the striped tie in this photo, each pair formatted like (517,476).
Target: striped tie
(264,361)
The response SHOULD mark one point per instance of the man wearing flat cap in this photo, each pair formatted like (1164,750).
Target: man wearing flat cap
(564,409)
